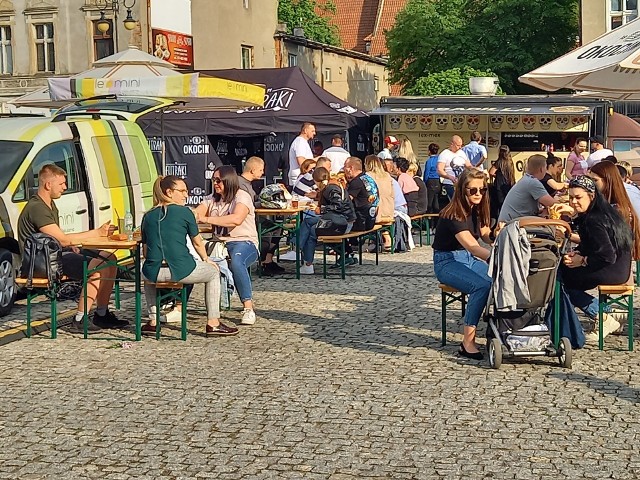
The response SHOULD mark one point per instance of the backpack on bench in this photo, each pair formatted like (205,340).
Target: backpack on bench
(42,258)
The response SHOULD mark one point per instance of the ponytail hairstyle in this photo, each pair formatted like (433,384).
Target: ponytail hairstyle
(160,187)
(321,175)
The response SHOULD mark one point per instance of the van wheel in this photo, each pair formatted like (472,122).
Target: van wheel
(7,283)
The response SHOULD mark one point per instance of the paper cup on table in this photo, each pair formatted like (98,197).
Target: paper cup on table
(121,225)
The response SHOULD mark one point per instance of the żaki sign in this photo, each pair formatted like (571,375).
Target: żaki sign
(173,47)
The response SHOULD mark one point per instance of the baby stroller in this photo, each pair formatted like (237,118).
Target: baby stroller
(521,330)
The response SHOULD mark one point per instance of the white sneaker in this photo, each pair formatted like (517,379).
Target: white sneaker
(609,325)
(306,270)
(174,316)
(290,256)
(248,317)
(621,317)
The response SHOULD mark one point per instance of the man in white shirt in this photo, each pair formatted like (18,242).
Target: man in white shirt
(391,148)
(599,153)
(336,154)
(300,151)
(450,162)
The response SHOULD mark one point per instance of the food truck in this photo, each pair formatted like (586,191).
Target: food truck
(528,124)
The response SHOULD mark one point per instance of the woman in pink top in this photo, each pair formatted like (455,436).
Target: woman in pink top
(231,212)
(409,186)
(576,163)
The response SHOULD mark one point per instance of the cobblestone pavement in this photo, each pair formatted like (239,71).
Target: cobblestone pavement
(336,380)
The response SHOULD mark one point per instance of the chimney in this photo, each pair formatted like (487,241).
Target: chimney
(298,32)
(281,28)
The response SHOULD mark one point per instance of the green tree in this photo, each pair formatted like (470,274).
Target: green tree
(508,37)
(313,16)
(454,81)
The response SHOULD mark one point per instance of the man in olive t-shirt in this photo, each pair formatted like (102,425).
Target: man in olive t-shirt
(41,215)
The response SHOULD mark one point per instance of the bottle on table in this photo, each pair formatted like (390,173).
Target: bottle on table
(128,225)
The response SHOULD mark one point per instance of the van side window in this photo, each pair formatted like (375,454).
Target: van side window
(62,154)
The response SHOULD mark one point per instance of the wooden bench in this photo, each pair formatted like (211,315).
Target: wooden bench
(41,286)
(331,241)
(177,291)
(423,223)
(450,295)
(620,296)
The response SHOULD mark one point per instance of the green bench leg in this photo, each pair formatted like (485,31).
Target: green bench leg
(183,300)
(444,319)
(116,294)
(343,253)
(54,313)
(159,299)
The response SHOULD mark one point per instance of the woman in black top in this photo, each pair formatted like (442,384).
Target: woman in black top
(421,205)
(603,255)
(504,177)
(458,259)
(554,168)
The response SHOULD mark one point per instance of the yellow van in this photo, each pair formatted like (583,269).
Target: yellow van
(110,170)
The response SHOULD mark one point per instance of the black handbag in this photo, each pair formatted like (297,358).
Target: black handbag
(331,223)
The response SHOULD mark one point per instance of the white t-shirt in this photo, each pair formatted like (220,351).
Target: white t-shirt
(598,156)
(634,196)
(385,154)
(299,148)
(338,156)
(451,160)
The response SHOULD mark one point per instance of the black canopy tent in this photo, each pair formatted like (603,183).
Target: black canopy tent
(291,99)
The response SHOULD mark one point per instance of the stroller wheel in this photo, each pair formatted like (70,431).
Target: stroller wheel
(494,351)
(565,353)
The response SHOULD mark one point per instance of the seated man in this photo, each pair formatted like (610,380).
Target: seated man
(528,193)
(41,215)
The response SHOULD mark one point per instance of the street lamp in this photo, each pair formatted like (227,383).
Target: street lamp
(103,25)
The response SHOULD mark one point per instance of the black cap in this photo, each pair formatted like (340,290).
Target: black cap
(597,139)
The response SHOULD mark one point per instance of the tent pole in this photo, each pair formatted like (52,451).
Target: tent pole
(163,150)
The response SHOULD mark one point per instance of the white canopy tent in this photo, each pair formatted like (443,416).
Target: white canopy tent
(608,67)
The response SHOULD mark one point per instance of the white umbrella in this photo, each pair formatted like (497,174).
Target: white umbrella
(609,64)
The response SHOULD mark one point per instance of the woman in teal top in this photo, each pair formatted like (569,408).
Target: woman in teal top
(165,229)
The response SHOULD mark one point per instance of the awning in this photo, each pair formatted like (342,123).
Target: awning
(516,109)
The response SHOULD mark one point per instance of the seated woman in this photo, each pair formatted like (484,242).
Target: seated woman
(165,229)
(550,180)
(304,184)
(231,212)
(603,255)
(421,205)
(409,186)
(375,169)
(458,259)
(333,203)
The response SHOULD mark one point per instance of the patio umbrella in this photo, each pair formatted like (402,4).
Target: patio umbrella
(133,72)
(610,64)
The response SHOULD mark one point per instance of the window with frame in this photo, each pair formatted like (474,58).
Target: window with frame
(6,52)
(293,60)
(62,154)
(245,3)
(102,42)
(45,49)
(622,11)
(247,57)
(327,74)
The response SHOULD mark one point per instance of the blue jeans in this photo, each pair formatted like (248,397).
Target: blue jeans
(585,302)
(242,254)
(449,189)
(461,270)
(308,238)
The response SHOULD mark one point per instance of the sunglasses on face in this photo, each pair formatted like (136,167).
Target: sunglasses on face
(476,190)
(217,180)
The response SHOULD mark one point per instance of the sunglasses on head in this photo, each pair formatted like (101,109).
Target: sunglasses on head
(476,190)
(217,180)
